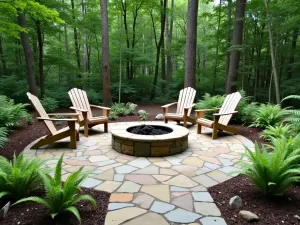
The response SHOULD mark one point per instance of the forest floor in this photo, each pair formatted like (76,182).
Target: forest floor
(270,210)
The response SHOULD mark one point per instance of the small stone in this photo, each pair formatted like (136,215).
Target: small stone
(297,217)
(248,216)
(140,112)
(159,117)
(236,201)
(133,106)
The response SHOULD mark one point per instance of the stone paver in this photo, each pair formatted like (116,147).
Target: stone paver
(139,184)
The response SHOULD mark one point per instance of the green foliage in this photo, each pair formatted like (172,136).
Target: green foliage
(49,104)
(144,116)
(21,176)
(276,131)
(62,198)
(121,109)
(210,102)
(57,123)
(11,114)
(272,172)
(113,115)
(3,136)
(247,112)
(267,115)
(288,144)
(292,116)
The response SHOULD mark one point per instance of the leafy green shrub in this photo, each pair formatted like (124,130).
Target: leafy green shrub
(49,104)
(272,172)
(247,112)
(144,116)
(62,198)
(276,132)
(3,136)
(121,109)
(93,96)
(210,102)
(113,115)
(288,144)
(292,115)
(11,114)
(267,115)
(21,176)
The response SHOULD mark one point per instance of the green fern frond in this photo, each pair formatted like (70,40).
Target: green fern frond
(75,212)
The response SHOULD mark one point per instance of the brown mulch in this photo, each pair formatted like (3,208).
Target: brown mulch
(31,213)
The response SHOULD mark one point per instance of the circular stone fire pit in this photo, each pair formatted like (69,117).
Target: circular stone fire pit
(151,140)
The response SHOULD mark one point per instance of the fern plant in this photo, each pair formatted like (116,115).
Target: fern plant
(21,176)
(276,132)
(49,104)
(267,115)
(272,172)
(3,136)
(62,198)
(210,102)
(144,116)
(292,115)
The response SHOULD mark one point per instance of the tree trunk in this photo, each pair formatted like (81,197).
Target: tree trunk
(76,43)
(163,55)
(169,42)
(231,85)
(272,53)
(107,99)
(28,56)
(191,44)
(41,56)
(2,58)
(84,41)
(124,12)
(292,55)
(228,35)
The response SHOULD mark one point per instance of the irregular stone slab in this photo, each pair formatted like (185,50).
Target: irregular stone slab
(177,194)
(148,170)
(141,179)
(94,152)
(90,182)
(184,202)
(125,169)
(148,219)
(193,161)
(182,216)
(108,167)
(161,177)
(210,159)
(218,176)
(107,175)
(202,170)
(105,163)
(211,166)
(114,206)
(121,197)
(129,187)
(221,150)
(213,221)
(186,169)
(168,172)
(173,160)
(158,191)
(119,177)
(181,181)
(163,164)
(144,200)
(140,162)
(225,162)
(98,158)
(202,197)
(205,180)
(206,153)
(161,207)
(207,209)
(121,215)
(108,186)
(178,189)
(229,169)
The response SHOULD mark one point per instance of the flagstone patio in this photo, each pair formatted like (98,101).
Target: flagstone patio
(153,190)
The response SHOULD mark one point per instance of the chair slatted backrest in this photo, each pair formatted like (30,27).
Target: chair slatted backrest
(186,98)
(229,105)
(80,100)
(42,113)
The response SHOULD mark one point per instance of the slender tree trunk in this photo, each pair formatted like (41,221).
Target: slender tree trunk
(107,99)
(76,43)
(28,56)
(272,53)
(124,12)
(237,41)
(2,57)
(228,35)
(163,55)
(292,55)
(169,42)
(41,56)
(84,37)
(191,44)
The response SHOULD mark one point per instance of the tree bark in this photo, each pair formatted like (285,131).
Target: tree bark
(28,56)
(41,56)
(124,13)
(231,85)
(163,55)
(228,35)
(84,44)
(191,44)
(2,57)
(169,42)
(107,99)
(292,55)
(76,43)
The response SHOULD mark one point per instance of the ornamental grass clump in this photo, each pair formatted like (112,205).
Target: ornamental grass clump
(272,172)
(60,197)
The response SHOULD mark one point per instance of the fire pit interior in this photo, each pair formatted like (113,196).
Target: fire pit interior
(150,140)
(149,130)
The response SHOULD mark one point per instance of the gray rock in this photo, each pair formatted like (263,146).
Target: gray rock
(141,111)
(133,106)
(248,216)
(297,217)
(4,210)
(160,117)
(236,201)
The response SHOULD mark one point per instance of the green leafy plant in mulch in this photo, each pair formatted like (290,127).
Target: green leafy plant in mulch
(276,132)
(267,115)
(49,104)
(210,102)
(292,116)
(144,116)
(60,197)
(3,136)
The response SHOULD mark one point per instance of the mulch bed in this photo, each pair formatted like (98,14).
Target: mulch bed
(31,213)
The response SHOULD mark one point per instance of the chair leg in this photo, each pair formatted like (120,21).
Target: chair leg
(215,133)
(166,120)
(199,127)
(184,122)
(106,127)
(73,134)
(77,136)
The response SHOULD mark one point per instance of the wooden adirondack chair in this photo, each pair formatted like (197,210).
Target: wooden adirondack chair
(82,106)
(70,131)
(184,107)
(222,118)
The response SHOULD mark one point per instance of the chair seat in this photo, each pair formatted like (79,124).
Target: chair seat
(98,119)
(174,115)
(77,126)
(205,122)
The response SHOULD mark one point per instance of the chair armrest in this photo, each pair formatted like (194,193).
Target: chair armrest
(224,114)
(55,119)
(168,105)
(63,114)
(100,107)
(206,110)
(190,106)
(77,109)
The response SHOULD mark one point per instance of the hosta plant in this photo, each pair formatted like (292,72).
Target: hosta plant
(272,172)
(60,197)
(276,132)
(267,115)
(21,176)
